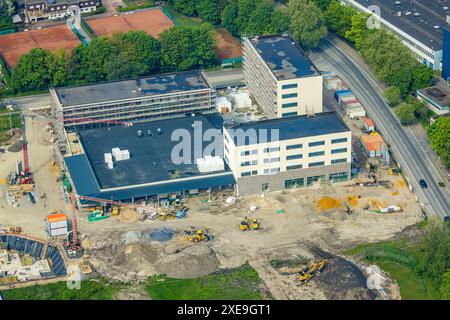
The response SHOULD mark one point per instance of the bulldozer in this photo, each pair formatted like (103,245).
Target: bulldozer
(249,224)
(198,235)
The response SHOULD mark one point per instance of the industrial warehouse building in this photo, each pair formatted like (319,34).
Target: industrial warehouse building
(418,24)
(150,172)
(281,79)
(278,154)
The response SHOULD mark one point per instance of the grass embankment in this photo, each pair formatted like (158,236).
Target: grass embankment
(136,5)
(90,290)
(399,259)
(5,124)
(233,284)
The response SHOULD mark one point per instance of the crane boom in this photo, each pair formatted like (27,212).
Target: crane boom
(111,202)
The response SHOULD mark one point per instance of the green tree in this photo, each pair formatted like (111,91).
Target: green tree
(358,32)
(87,64)
(245,10)
(186,7)
(392,94)
(260,20)
(184,48)
(445,286)
(58,69)
(307,23)
(422,76)
(436,260)
(229,17)
(209,10)
(136,54)
(405,113)
(7,10)
(439,135)
(32,71)
(339,17)
(280,20)
(322,4)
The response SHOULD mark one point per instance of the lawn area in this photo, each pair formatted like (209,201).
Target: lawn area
(136,5)
(4,123)
(232,284)
(182,20)
(398,258)
(90,290)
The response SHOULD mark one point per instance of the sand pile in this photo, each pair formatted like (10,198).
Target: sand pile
(194,261)
(16,146)
(128,216)
(328,203)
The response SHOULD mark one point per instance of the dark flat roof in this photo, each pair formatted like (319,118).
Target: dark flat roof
(421,27)
(283,57)
(440,93)
(126,89)
(294,127)
(150,159)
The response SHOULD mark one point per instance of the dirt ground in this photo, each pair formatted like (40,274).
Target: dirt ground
(227,46)
(123,251)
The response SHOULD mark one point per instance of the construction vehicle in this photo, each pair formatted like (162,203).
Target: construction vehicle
(15,230)
(198,235)
(347,207)
(115,211)
(85,267)
(306,274)
(73,245)
(393,171)
(249,224)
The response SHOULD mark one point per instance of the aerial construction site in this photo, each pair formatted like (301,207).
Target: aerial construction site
(93,185)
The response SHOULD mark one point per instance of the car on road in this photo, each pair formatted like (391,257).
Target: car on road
(423,184)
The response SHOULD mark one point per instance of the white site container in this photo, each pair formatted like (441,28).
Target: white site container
(110,165)
(58,232)
(125,154)
(201,165)
(58,224)
(108,157)
(223,105)
(115,152)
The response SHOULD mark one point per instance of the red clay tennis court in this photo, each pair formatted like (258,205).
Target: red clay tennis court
(227,46)
(151,21)
(12,46)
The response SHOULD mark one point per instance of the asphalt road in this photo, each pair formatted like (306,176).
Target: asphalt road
(408,153)
(35,101)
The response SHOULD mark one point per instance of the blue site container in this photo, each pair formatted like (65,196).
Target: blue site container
(340,93)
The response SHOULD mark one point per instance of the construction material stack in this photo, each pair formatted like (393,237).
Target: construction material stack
(57,225)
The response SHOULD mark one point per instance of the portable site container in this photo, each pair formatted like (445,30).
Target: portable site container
(57,232)
(369,125)
(340,93)
(58,224)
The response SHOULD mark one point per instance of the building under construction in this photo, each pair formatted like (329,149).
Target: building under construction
(156,97)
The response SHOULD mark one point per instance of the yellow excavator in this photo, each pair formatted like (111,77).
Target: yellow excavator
(306,274)
(249,224)
(198,235)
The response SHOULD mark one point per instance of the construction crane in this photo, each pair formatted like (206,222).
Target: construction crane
(73,246)
(25,175)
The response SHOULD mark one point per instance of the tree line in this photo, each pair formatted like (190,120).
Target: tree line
(121,56)
(7,10)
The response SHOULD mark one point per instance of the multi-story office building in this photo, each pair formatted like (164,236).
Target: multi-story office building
(281,79)
(156,97)
(279,154)
(446,55)
(418,24)
(55,9)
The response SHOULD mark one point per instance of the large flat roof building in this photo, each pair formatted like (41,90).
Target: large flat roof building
(154,97)
(151,169)
(278,154)
(446,55)
(281,79)
(417,23)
